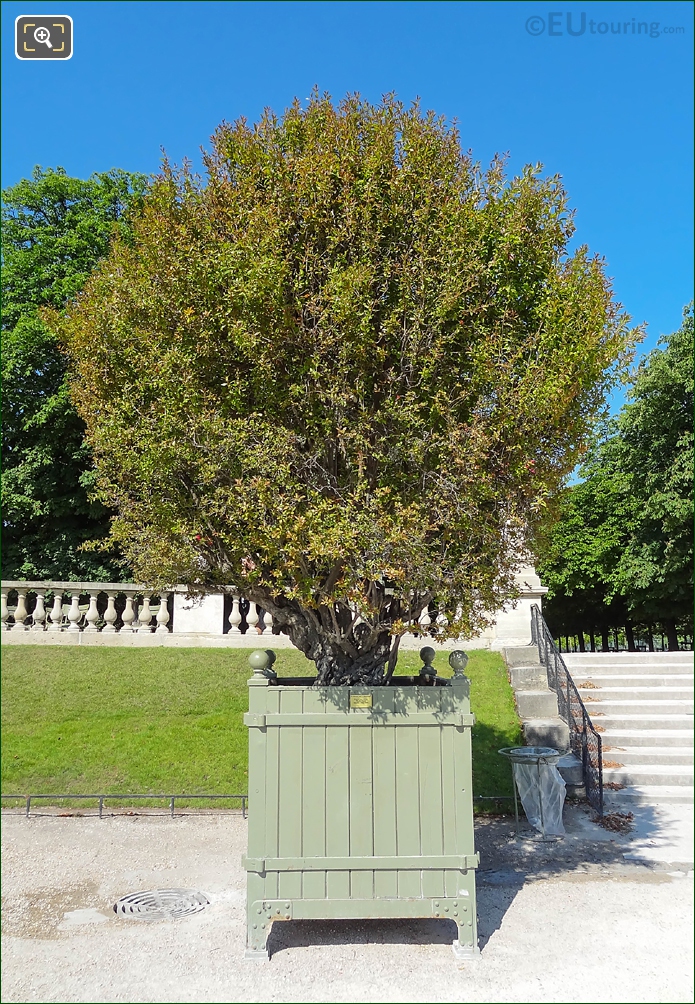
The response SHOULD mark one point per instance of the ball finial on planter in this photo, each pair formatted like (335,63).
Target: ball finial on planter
(427,672)
(261,661)
(458,661)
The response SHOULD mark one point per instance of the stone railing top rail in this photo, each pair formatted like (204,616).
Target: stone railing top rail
(102,587)
(31,585)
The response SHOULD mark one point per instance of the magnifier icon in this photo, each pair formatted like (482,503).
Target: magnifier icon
(43,35)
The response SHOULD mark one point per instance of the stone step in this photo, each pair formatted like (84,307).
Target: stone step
(651,774)
(528,677)
(526,655)
(622,720)
(674,737)
(641,706)
(607,693)
(646,755)
(536,703)
(632,662)
(643,680)
(551,732)
(630,672)
(647,794)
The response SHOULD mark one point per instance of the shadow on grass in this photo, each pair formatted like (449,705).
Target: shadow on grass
(492,776)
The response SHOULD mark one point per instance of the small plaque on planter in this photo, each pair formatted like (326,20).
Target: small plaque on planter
(360,700)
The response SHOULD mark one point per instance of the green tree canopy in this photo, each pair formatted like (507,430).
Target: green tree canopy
(623,547)
(55,229)
(344,372)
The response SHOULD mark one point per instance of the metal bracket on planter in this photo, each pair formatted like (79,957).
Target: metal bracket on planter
(254,721)
(253,864)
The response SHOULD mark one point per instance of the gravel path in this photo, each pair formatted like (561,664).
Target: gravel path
(564,922)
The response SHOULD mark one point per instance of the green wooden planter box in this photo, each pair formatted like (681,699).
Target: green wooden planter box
(360,804)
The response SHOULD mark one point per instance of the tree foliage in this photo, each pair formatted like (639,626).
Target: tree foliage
(55,229)
(623,548)
(344,372)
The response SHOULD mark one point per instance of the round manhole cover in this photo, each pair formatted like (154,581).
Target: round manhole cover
(160,904)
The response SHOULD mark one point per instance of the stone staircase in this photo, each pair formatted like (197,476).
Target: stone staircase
(537,707)
(643,704)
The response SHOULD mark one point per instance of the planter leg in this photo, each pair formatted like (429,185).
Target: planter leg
(466,947)
(256,938)
(257,924)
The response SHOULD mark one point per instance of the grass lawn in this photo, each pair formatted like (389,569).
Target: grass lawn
(89,720)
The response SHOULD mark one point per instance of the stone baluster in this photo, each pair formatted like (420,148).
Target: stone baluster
(267,622)
(145,615)
(56,613)
(74,613)
(4,612)
(39,614)
(21,613)
(442,619)
(235,616)
(163,614)
(92,615)
(425,620)
(110,614)
(252,618)
(128,615)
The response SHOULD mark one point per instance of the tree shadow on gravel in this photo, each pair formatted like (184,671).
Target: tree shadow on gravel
(507,863)
(587,852)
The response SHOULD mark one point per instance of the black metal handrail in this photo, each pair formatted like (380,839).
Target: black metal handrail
(585,741)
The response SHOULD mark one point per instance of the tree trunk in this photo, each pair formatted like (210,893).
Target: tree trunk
(347,649)
(672,636)
(592,639)
(650,638)
(630,636)
(605,643)
(582,646)
(615,639)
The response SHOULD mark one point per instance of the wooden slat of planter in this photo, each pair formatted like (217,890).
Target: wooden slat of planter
(384,767)
(314,808)
(430,753)
(337,810)
(449,844)
(407,807)
(464,794)
(361,810)
(314,794)
(291,801)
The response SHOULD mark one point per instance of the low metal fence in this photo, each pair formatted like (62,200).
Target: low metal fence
(103,797)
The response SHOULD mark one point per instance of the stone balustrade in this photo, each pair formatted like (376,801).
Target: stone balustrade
(131,614)
(114,608)
(90,607)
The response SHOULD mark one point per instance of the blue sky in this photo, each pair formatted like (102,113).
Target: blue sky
(609,110)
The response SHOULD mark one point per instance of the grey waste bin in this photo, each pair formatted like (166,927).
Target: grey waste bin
(539,784)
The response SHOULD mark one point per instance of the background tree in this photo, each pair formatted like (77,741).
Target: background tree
(622,552)
(345,373)
(55,229)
